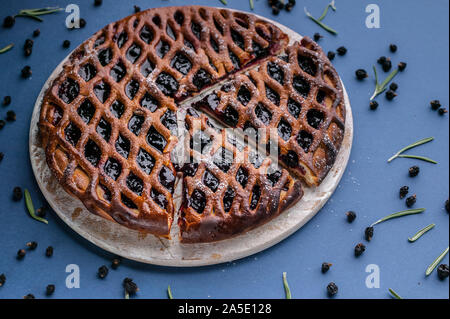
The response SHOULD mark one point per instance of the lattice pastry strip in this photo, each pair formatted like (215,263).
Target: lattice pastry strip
(301,96)
(231,188)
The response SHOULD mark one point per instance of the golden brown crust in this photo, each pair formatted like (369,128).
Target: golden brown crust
(124,62)
(306,95)
(260,191)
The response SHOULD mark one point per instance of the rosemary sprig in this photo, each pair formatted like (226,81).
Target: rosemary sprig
(320,23)
(325,11)
(224,2)
(420,233)
(30,207)
(252,5)
(169,292)
(422,158)
(436,262)
(415,144)
(380,88)
(35,13)
(399,214)
(393,293)
(7,48)
(286,287)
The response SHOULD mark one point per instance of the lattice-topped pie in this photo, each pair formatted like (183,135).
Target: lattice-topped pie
(109,122)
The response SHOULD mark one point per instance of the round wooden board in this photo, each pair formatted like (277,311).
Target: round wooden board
(152,250)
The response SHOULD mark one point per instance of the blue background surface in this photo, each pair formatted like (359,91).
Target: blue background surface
(369,186)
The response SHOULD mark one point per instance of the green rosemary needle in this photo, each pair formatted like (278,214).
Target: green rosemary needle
(436,262)
(252,5)
(399,214)
(30,207)
(7,48)
(224,2)
(286,287)
(325,11)
(169,292)
(320,23)
(415,144)
(422,158)
(380,88)
(420,233)
(35,13)
(393,293)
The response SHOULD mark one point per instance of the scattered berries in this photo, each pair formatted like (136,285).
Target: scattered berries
(32,245)
(66,44)
(368,233)
(359,249)
(29,296)
(41,211)
(97,3)
(442,111)
(2,279)
(373,105)
(26,72)
(50,290)
(393,48)
(403,191)
(49,251)
(414,171)
(1,154)
(401,66)
(137,9)
(17,194)
(332,289)
(351,216)
(130,287)
(390,95)
(387,65)
(326,267)
(381,60)
(8,22)
(103,272)
(21,253)
(6,100)
(393,86)
(361,74)
(2,125)
(82,23)
(435,105)
(442,271)
(331,55)
(10,116)
(317,36)
(115,263)
(447,205)
(411,200)
(36,33)
(341,50)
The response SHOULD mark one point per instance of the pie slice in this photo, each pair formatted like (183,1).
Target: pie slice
(108,121)
(228,187)
(300,95)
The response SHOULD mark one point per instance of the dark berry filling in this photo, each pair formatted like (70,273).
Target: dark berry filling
(167,84)
(315,118)
(102,91)
(275,72)
(158,198)
(238,39)
(122,39)
(123,146)
(263,113)
(284,130)
(135,124)
(167,179)
(201,79)
(294,108)
(290,159)
(190,169)
(128,202)
(170,32)
(200,141)
(305,139)
(307,65)
(104,129)
(162,48)
(255,159)
(72,133)
(274,177)
(86,111)
(113,168)
(242,176)
(117,109)
(133,53)
(145,161)
(146,34)
(198,201)
(149,102)
(179,17)
(105,56)
(244,95)
(223,159)
(68,90)
(118,72)
(155,139)
(196,29)
(234,60)
(181,63)
(211,181)
(131,89)
(256,194)
(135,184)
(228,199)
(169,120)
(273,96)
(231,116)
(87,72)
(301,86)
(147,67)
